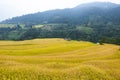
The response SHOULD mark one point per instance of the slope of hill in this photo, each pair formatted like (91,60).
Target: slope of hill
(78,14)
(58,59)
(103,5)
(96,22)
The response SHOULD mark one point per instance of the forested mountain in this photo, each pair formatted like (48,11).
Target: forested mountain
(97,22)
(80,14)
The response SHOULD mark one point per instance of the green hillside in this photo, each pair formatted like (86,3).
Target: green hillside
(58,59)
(94,22)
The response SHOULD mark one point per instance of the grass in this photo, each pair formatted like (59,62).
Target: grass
(7,25)
(57,59)
(10,25)
(38,26)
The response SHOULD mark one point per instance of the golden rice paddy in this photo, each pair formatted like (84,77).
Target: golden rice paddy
(58,59)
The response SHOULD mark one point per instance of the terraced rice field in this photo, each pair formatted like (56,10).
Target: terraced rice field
(58,59)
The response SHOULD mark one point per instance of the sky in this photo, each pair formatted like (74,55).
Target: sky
(13,8)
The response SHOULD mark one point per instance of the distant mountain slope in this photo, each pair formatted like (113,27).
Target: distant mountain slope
(77,15)
(103,5)
(96,22)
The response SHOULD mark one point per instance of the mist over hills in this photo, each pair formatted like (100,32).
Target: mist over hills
(96,22)
(103,5)
(72,15)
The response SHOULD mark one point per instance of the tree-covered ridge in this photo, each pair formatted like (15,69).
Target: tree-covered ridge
(96,22)
(82,14)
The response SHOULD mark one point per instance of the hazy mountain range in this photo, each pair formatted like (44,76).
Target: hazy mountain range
(97,10)
(96,22)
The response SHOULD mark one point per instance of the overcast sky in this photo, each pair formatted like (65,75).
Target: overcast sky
(12,8)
